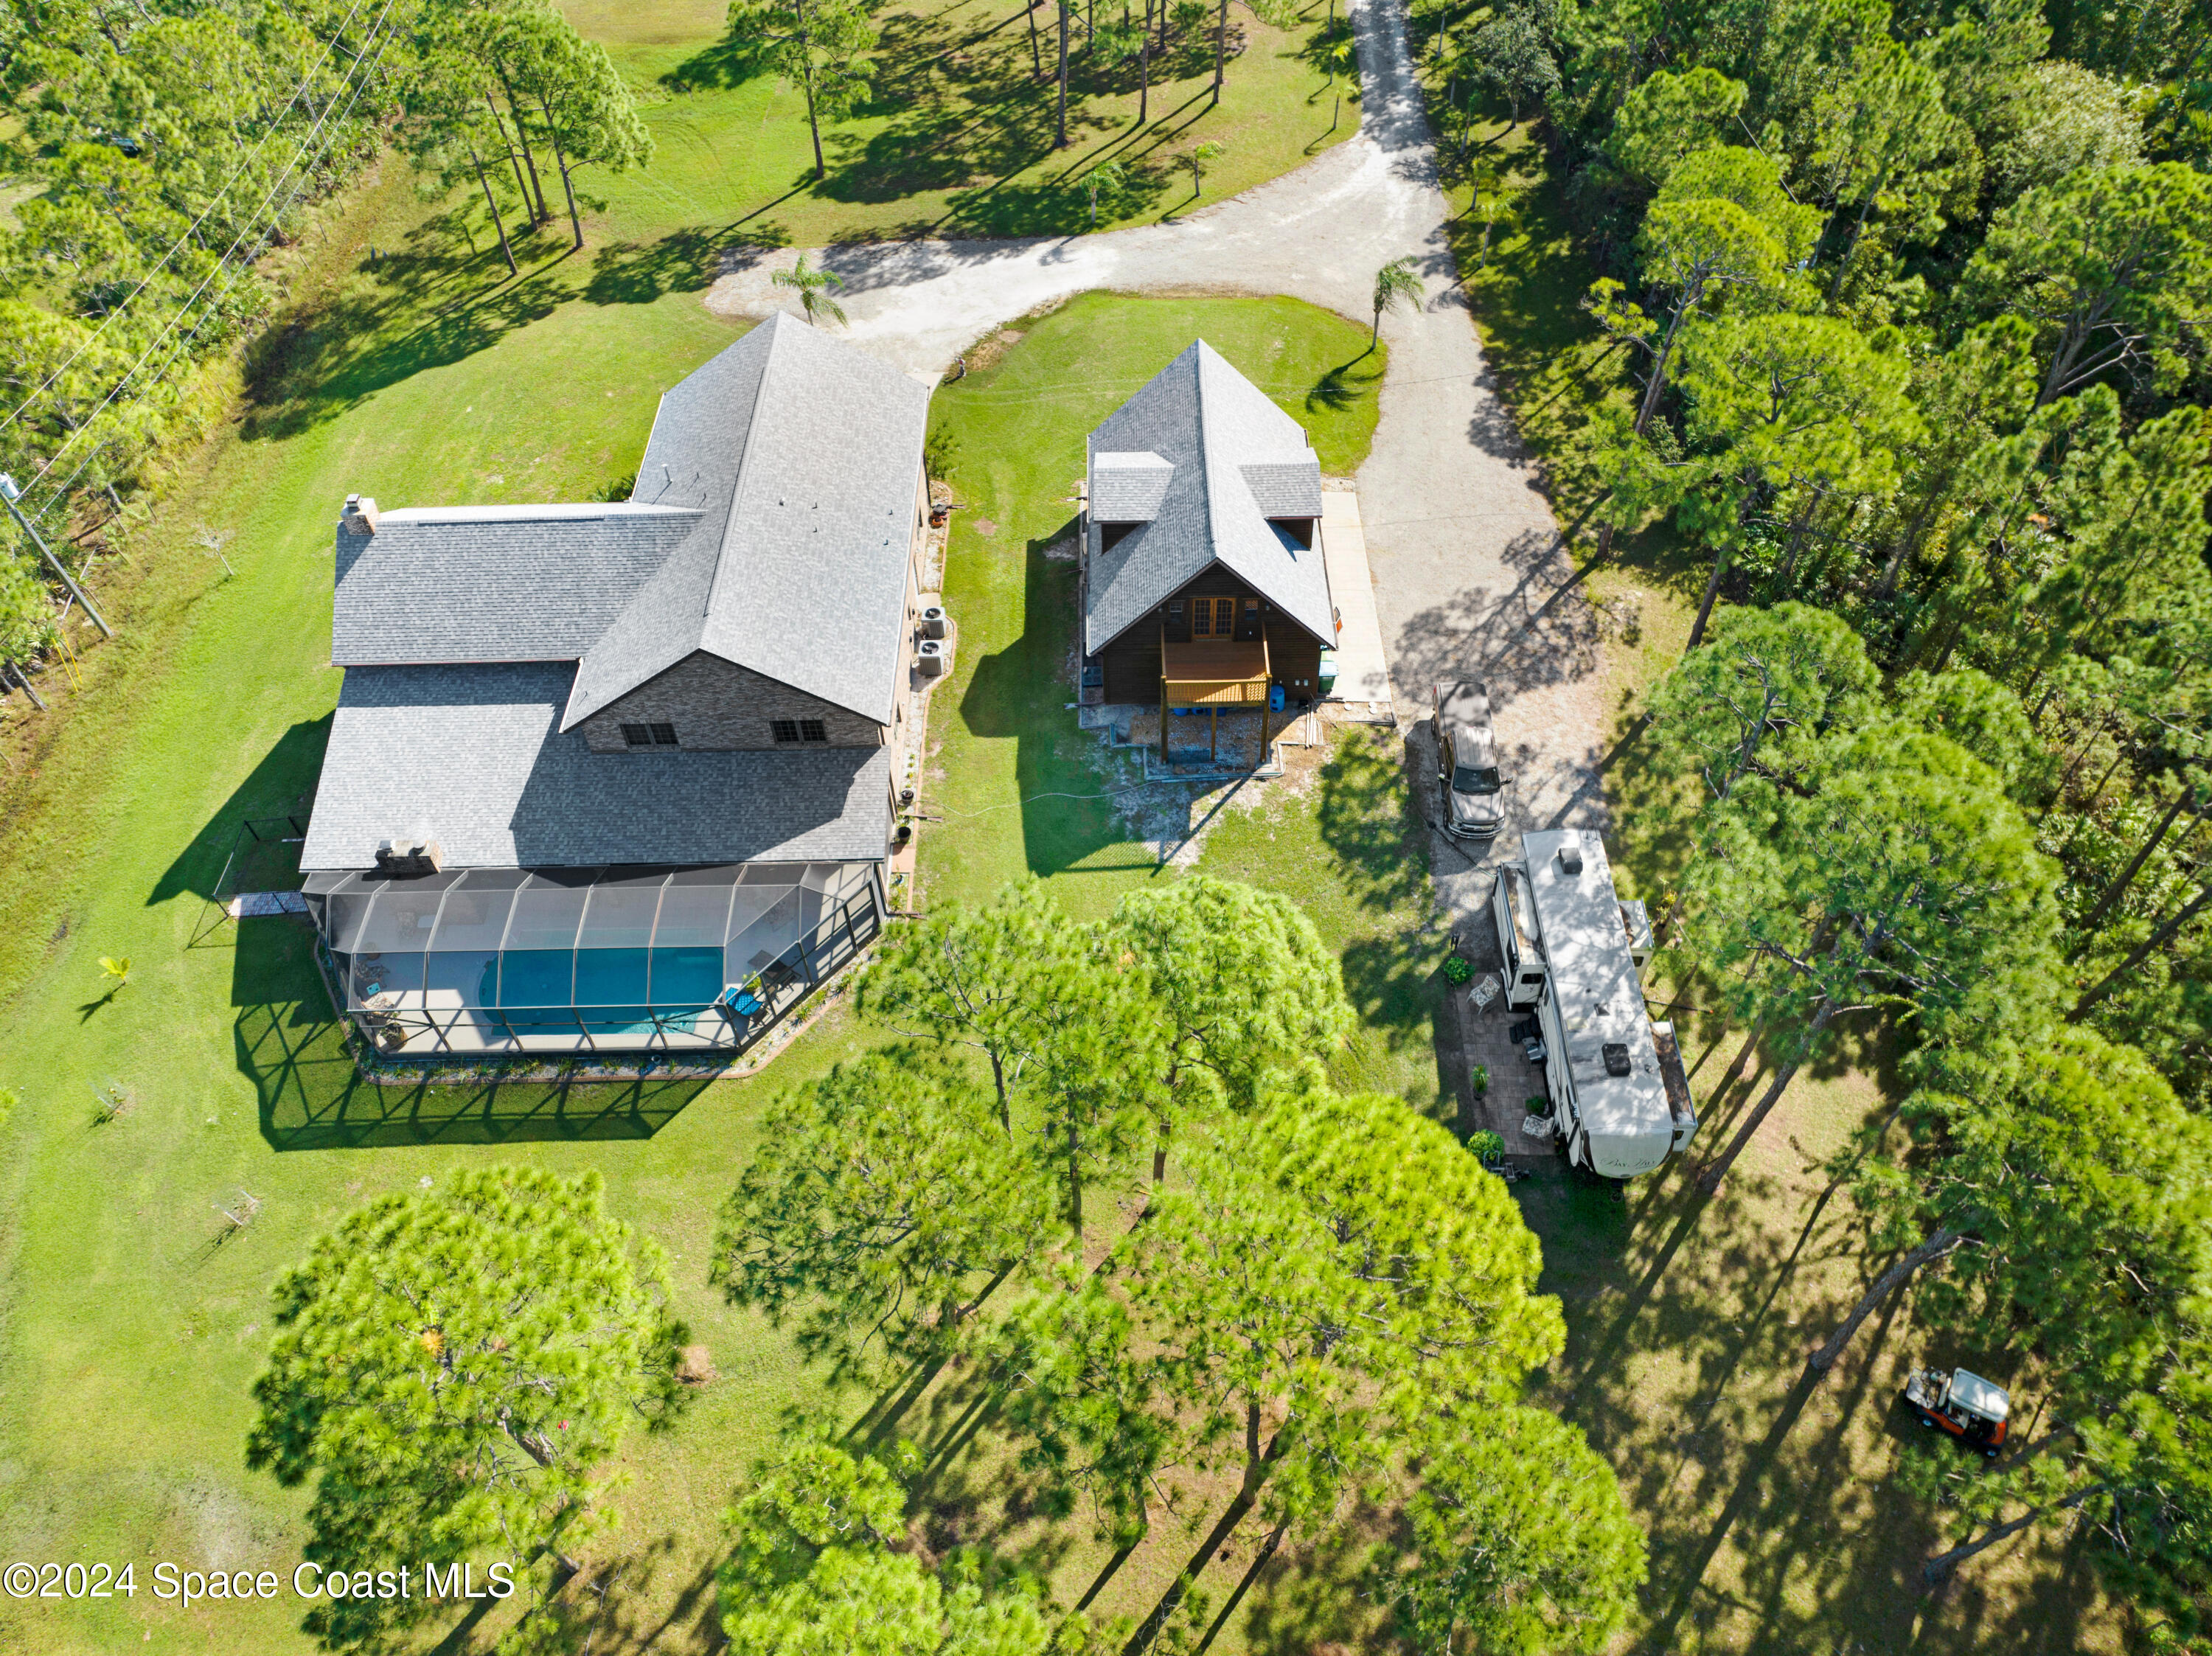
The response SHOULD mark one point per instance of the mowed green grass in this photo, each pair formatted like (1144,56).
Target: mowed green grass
(133,1331)
(1342,848)
(957,137)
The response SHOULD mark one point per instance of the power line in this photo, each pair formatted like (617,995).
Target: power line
(189,230)
(193,298)
(184,341)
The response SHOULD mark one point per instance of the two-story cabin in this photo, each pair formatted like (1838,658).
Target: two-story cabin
(620,777)
(1203,581)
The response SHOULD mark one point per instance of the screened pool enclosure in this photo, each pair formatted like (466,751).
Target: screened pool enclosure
(486,960)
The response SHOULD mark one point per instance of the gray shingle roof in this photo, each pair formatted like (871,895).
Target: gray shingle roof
(475,754)
(1286,488)
(770,526)
(446,583)
(1211,423)
(804,454)
(1128,489)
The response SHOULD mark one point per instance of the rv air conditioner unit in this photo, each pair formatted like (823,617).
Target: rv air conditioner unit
(1570,857)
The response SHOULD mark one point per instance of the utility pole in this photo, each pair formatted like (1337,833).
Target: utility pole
(11,494)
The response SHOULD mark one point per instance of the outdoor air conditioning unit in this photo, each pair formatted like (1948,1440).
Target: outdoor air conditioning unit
(930,657)
(409,854)
(1571,855)
(933,622)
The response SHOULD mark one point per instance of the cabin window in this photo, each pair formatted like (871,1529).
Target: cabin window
(789,731)
(664,736)
(637,736)
(1530,979)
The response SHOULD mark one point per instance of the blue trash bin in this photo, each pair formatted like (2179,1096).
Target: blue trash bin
(1274,698)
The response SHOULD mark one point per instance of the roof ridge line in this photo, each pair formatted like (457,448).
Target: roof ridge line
(775,319)
(1200,350)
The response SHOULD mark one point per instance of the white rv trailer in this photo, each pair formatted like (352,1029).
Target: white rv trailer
(1572,951)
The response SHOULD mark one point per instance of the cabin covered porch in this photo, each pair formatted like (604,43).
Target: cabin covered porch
(1215,675)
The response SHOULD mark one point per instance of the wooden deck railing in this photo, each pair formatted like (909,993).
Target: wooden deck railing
(1214,674)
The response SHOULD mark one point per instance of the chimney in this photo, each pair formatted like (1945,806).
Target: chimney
(359,517)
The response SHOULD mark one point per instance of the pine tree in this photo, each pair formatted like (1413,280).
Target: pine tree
(454,1370)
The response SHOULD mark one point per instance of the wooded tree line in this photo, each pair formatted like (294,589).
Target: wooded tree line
(170,151)
(1197,1286)
(173,150)
(1854,845)
(1906,304)
(825,48)
(1908,301)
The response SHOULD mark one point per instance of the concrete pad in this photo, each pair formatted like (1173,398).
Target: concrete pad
(1363,673)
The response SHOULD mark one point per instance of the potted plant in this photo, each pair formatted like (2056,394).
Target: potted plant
(1458,968)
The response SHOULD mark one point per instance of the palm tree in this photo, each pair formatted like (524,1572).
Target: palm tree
(1199,160)
(813,284)
(1396,283)
(1106,176)
(1340,56)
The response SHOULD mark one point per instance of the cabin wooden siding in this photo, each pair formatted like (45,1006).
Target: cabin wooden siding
(1132,660)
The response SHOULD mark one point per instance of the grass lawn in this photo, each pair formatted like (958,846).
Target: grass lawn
(1774,1522)
(958,139)
(133,1331)
(1342,845)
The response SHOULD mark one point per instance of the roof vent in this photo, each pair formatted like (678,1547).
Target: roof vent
(414,854)
(1616,1058)
(1571,855)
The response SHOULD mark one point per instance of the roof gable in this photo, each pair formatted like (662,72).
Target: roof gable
(1236,460)
(770,525)
(1128,489)
(802,455)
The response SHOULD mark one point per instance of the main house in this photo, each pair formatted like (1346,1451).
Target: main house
(620,777)
(1203,583)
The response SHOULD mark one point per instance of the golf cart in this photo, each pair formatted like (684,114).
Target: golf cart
(1965,1406)
(1466,764)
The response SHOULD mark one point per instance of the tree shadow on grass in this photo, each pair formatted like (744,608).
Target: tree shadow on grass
(685,261)
(1368,821)
(619,1603)
(1394,976)
(1345,384)
(1774,1523)
(725,64)
(1311,1597)
(332,355)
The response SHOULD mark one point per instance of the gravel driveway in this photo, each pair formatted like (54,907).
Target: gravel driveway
(1461,540)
